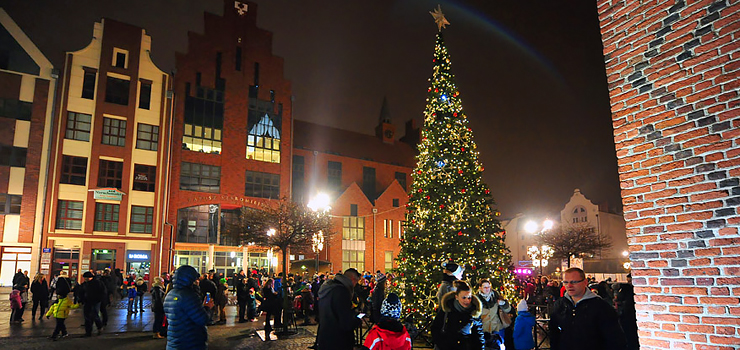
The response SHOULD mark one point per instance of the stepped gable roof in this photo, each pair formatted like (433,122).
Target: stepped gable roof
(351,144)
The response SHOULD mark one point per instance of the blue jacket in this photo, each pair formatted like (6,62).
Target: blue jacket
(186,316)
(523,324)
(131,293)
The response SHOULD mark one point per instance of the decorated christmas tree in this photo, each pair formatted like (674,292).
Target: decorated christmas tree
(449,215)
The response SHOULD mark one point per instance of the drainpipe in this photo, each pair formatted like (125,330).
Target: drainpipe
(375,211)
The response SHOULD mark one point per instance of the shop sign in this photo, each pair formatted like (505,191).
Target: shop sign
(46,250)
(112,194)
(141,255)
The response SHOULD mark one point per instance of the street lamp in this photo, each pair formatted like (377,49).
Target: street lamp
(270,233)
(540,256)
(317,246)
(320,205)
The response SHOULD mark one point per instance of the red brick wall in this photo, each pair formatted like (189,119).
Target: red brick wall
(672,70)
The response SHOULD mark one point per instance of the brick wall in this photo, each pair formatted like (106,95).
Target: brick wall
(672,69)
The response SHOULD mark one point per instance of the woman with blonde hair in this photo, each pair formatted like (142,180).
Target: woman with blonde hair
(158,327)
(40,297)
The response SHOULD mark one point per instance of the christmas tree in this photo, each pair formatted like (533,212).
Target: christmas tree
(449,213)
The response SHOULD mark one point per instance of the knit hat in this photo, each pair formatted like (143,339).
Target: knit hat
(379,277)
(222,281)
(451,266)
(88,274)
(522,306)
(391,306)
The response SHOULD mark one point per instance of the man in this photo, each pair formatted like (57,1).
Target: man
(452,273)
(186,312)
(581,320)
(207,286)
(93,292)
(18,277)
(337,320)
(242,295)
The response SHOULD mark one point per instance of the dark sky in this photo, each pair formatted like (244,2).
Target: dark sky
(530,73)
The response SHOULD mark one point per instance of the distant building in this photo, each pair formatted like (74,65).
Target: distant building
(27,84)
(108,171)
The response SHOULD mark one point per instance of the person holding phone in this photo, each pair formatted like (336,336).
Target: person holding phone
(187,313)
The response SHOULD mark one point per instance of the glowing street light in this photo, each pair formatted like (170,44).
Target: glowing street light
(540,256)
(319,203)
(317,246)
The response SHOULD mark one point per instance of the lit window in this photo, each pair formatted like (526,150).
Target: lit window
(263,141)
(353,259)
(204,120)
(353,228)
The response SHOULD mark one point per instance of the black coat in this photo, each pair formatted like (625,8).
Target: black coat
(450,324)
(157,299)
(337,320)
(207,286)
(93,291)
(63,286)
(40,290)
(592,324)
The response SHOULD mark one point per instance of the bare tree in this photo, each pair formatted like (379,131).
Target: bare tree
(575,241)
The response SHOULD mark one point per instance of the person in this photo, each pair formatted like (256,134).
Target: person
(492,303)
(523,327)
(141,289)
(63,285)
(110,286)
(378,295)
(625,299)
(131,294)
(452,273)
(158,308)
(60,311)
(269,306)
(457,325)
(15,305)
(93,292)
(389,333)
(18,277)
(222,297)
(337,321)
(242,295)
(208,287)
(40,295)
(307,304)
(186,312)
(581,320)
(252,306)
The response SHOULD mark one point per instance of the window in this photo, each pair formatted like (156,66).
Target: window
(142,219)
(388,261)
(385,228)
(353,258)
(116,91)
(395,203)
(78,126)
(368,181)
(353,228)
(400,229)
(10,203)
(264,127)
(298,178)
(145,94)
(390,228)
(353,209)
(110,174)
(12,156)
(262,185)
(144,177)
(200,177)
(74,170)
(204,119)
(147,137)
(334,173)
(401,178)
(88,84)
(120,60)
(114,132)
(106,217)
(69,215)
(198,224)
(238,59)
(15,109)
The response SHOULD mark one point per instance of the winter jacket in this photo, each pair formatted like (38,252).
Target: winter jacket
(158,299)
(445,287)
(337,319)
(93,291)
(271,300)
(589,324)
(523,325)
(131,292)
(141,287)
(455,329)
(61,308)
(388,334)
(15,299)
(489,315)
(185,313)
(221,298)
(40,290)
(306,300)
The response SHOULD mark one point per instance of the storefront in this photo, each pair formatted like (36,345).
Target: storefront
(138,263)
(14,258)
(102,259)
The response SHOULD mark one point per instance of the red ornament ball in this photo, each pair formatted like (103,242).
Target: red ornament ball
(473,267)
(420,190)
(441,206)
(436,90)
(454,114)
(429,197)
(462,190)
(483,240)
(488,191)
(462,149)
(459,233)
(413,288)
(460,171)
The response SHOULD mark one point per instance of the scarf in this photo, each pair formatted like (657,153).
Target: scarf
(486,296)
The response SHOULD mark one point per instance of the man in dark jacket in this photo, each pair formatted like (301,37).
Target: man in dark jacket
(581,320)
(186,314)
(207,286)
(337,320)
(242,295)
(93,292)
(627,314)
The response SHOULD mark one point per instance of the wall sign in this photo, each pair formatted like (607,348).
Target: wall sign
(137,255)
(112,194)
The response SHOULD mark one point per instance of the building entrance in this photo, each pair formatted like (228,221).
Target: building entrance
(103,258)
(65,260)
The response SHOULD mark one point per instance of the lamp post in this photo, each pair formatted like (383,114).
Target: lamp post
(270,233)
(317,246)
(540,256)
(320,205)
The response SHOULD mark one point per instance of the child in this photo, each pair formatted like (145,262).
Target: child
(15,305)
(389,332)
(60,311)
(523,326)
(131,293)
(252,305)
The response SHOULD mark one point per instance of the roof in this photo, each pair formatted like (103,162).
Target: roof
(351,144)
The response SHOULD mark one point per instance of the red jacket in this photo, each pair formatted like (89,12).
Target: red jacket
(15,299)
(382,339)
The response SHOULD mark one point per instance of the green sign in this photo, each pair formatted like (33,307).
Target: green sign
(112,194)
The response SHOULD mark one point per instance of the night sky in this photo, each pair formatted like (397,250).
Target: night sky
(530,73)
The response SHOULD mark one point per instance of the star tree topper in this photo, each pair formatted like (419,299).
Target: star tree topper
(439,18)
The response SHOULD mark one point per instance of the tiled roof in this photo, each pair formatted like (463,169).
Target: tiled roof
(351,144)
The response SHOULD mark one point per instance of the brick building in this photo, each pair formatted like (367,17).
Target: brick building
(231,139)
(672,69)
(107,172)
(27,85)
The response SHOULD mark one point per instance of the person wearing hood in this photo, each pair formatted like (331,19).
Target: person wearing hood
(523,327)
(457,325)
(581,320)
(492,302)
(186,313)
(452,273)
(389,333)
(337,321)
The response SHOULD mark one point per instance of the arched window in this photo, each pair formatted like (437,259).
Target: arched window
(579,215)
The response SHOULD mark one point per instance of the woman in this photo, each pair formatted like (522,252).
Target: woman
(457,325)
(269,305)
(493,326)
(158,308)
(40,297)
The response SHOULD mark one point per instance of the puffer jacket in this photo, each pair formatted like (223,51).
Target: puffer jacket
(589,324)
(61,308)
(15,299)
(455,329)
(388,334)
(186,316)
(489,315)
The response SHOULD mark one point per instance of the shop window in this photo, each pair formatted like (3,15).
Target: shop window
(106,217)
(353,228)
(114,132)
(69,215)
(147,137)
(262,185)
(117,91)
(144,177)
(142,219)
(200,177)
(110,174)
(74,170)
(78,126)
